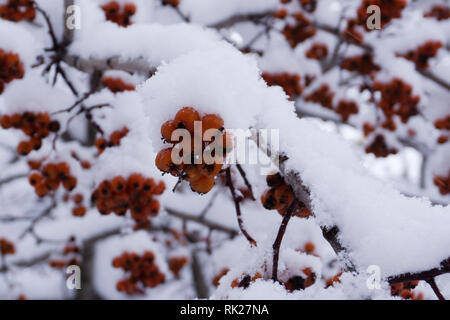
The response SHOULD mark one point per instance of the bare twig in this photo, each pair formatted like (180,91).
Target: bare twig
(277,244)
(238,207)
(247,183)
(433,285)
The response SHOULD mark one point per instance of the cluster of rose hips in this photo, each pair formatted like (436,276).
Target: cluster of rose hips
(443,184)
(71,256)
(280,196)
(200,176)
(142,272)
(115,13)
(323,96)
(380,148)
(301,282)
(6,247)
(290,82)
(390,9)
(397,99)
(176,264)
(35,125)
(117,84)
(50,177)
(443,124)
(18,10)
(362,64)
(318,51)
(303,29)
(440,12)
(135,194)
(114,140)
(404,290)
(10,68)
(423,53)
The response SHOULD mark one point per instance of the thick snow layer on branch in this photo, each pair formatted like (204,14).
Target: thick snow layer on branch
(212,11)
(377,223)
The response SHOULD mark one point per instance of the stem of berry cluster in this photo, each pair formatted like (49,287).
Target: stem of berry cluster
(277,244)
(238,207)
(433,285)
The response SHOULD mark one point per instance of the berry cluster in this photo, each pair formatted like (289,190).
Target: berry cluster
(380,148)
(279,197)
(6,247)
(290,82)
(114,140)
(443,184)
(440,12)
(300,31)
(323,96)
(117,84)
(301,282)
(115,13)
(397,99)
(200,176)
(135,193)
(423,53)
(346,109)
(18,10)
(317,51)
(176,264)
(50,177)
(443,124)
(404,290)
(71,255)
(362,64)
(35,125)
(142,272)
(390,9)
(10,68)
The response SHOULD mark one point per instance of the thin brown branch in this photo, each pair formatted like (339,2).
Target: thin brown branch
(423,275)
(433,285)
(202,221)
(247,183)
(237,206)
(277,244)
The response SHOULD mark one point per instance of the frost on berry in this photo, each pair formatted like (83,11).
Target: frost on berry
(18,10)
(121,15)
(290,82)
(141,272)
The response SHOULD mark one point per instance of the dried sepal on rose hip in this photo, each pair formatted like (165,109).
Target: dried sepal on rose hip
(118,14)
(18,10)
(280,195)
(136,194)
(37,126)
(50,177)
(141,272)
(201,176)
